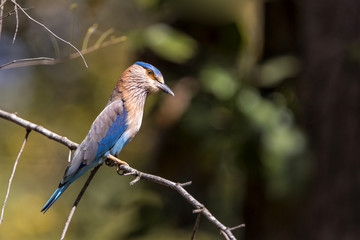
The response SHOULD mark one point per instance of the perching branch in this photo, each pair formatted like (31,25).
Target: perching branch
(199,208)
(38,128)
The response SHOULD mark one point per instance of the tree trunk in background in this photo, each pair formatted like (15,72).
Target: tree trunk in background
(330,95)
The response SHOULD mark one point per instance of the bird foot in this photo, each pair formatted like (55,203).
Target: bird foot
(116,160)
(112,160)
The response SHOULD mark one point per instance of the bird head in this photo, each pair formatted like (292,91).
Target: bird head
(151,78)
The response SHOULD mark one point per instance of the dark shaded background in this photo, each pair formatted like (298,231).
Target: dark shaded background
(265,121)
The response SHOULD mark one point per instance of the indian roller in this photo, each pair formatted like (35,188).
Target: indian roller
(116,125)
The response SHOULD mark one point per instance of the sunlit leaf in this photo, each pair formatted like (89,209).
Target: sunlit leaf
(219,81)
(169,43)
(278,69)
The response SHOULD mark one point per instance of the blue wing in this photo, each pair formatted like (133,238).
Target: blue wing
(105,133)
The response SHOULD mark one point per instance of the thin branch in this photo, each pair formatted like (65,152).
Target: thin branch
(103,37)
(237,227)
(12,12)
(2,3)
(26,62)
(77,201)
(97,47)
(225,235)
(199,208)
(17,22)
(88,34)
(37,128)
(12,174)
(69,157)
(52,33)
(196,226)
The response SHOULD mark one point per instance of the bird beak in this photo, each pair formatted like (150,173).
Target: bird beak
(166,89)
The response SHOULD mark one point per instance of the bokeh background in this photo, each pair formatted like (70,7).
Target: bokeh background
(265,118)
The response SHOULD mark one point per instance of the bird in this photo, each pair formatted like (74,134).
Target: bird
(116,125)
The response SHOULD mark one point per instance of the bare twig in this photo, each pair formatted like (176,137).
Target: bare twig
(69,157)
(11,12)
(77,201)
(2,3)
(188,197)
(237,227)
(26,62)
(186,184)
(97,47)
(17,21)
(196,226)
(225,235)
(199,208)
(135,180)
(47,29)
(37,128)
(12,174)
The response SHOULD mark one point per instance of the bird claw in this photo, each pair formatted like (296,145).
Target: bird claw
(109,163)
(114,161)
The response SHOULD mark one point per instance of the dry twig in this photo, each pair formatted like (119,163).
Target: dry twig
(100,43)
(196,227)
(37,128)
(12,175)
(26,62)
(2,3)
(17,22)
(199,208)
(18,7)
(77,201)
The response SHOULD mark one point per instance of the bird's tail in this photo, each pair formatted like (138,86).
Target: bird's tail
(54,197)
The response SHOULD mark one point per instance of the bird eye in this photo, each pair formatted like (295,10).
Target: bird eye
(150,73)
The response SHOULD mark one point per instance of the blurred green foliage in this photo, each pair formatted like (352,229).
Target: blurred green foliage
(233,118)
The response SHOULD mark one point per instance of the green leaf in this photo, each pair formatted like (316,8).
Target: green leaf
(169,43)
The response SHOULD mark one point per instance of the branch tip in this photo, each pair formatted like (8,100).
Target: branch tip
(130,173)
(184,184)
(135,180)
(237,227)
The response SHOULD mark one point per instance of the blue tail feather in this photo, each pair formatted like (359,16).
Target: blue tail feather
(54,197)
